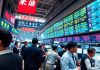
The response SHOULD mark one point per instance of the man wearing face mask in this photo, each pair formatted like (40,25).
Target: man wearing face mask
(87,62)
(68,60)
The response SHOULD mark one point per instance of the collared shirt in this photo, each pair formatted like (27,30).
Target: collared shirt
(5,52)
(52,56)
(67,62)
(88,64)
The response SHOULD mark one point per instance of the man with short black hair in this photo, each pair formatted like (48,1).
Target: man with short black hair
(68,60)
(32,56)
(64,49)
(87,62)
(8,60)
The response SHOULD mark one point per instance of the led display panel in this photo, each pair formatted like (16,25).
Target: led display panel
(69,30)
(80,21)
(68,20)
(27,6)
(9,17)
(63,39)
(69,39)
(77,17)
(66,31)
(85,39)
(81,28)
(76,39)
(22,23)
(84,27)
(6,25)
(80,16)
(78,28)
(59,39)
(95,38)
(93,10)
(58,29)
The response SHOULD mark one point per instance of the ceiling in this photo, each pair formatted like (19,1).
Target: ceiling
(46,9)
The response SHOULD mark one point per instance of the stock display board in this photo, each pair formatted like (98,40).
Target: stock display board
(55,29)
(68,20)
(85,39)
(95,38)
(6,25)
(76,22)
(23,23)
(84,20)
(81,28)
(76,39)
(69,30)
(69,39)
(80,16)
(68,25)
(60,28)
(93,10)
(80,21)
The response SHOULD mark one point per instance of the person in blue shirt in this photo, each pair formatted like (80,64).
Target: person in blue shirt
(68,60)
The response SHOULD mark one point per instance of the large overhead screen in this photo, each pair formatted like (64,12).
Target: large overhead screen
(68,25)
(94,16)
(80,21)
(7,26)
(83,20)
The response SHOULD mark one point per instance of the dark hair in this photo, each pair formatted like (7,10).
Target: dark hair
(5,37)
(90,50)
(65,46)
(34,41)
(16,42)
(40,46)
(62,46)
(71,44)
(54,47)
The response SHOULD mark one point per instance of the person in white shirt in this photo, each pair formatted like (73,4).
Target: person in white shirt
(68,60)
(87,62)
(51,58)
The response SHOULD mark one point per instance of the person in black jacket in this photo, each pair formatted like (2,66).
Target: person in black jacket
(64,49)
(8,60)
(43,52)
(15,48)
(87,61)
(23,48)
(32,56)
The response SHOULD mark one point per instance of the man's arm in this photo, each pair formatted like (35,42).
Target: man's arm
(88,65)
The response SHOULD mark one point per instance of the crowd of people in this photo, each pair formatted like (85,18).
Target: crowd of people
(40,58)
